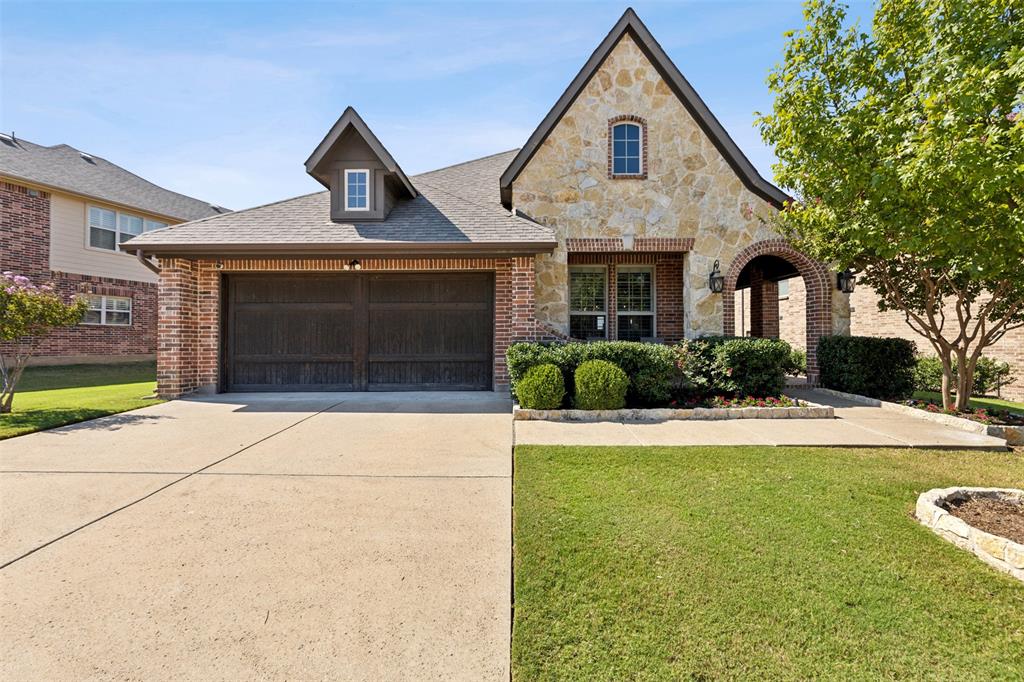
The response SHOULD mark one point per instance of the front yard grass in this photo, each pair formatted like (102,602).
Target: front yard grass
(753,563)
(48,397)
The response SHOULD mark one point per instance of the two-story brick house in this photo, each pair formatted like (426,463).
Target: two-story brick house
(63,217)
(628,214)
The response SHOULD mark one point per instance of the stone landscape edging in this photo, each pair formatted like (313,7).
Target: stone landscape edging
(806,411)
(998,552)
(1013,435)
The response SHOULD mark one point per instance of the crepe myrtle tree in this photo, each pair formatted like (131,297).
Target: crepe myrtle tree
(904,148)
(27,311)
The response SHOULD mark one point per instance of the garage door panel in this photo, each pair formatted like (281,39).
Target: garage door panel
(298,375)
(376,331)
(428,375)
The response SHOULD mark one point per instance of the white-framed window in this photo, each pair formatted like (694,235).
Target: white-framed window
(634,302)
(357,191)
(588,302)
(109,228)
(627,148)
(783,289)
(109,310)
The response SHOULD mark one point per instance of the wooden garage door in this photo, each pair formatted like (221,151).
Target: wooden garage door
(359,331)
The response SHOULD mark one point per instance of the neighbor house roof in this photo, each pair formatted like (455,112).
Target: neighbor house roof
(65,168)
(630,24)
(458,210)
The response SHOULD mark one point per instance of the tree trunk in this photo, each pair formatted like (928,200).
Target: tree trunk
(9,376)
(947,381)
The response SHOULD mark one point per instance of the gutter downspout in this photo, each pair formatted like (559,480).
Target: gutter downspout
(148,263)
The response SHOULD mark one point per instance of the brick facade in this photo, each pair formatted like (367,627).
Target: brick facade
(189,330)
(868,320)
(25,249)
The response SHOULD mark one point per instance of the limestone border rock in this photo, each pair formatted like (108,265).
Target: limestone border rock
(1000,553)
(806,411)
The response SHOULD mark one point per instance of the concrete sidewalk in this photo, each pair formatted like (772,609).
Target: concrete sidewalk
(855,425)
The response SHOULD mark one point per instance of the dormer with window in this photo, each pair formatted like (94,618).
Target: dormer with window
(364,179)
(627,147)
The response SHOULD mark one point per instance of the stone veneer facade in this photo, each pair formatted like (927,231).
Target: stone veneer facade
(25,250)
(189,331)
(688,191)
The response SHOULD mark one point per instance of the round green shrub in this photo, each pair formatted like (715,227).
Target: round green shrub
(600,385)
(651,388)
(541,388)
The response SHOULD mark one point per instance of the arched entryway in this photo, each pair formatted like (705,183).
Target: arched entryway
(760,267)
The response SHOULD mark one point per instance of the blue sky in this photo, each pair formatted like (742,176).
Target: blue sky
(225,100)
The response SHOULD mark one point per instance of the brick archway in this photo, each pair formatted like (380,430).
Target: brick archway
(817,279)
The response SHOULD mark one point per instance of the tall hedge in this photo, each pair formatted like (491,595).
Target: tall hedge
(876,367)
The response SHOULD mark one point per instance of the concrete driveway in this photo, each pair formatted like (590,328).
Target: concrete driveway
(343,536)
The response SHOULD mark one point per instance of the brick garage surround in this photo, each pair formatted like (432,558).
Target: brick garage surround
(189,331)
(817,279)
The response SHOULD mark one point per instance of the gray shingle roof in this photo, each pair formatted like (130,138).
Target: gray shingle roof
(457,205)
(64,167)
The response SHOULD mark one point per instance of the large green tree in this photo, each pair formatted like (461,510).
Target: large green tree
(904,147)
(26,312)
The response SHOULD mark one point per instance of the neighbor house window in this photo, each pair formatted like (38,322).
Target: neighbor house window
(588,313)
(108,228)
(356,190)
(626,154)
(634,302)
(109,310)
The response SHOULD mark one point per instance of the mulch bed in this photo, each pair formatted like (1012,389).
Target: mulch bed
(999,517)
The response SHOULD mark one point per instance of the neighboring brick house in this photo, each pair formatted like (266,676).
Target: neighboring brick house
(63,216)
(626,210)
(867,320)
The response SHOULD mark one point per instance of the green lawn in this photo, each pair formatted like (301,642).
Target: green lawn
(753,563)
(54,396)
(976,403)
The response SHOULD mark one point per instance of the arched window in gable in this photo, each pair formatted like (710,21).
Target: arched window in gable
(627,147)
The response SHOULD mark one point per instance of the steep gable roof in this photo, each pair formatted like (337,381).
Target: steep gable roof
(351,119)
(630,24)
(65,168)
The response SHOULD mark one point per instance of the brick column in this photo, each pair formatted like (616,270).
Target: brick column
(177,321)
(764,306)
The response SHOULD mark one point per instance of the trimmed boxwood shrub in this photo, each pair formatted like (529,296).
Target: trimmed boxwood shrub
(876,367)
(653,366)
(734,365)
(600,385)
(542,388)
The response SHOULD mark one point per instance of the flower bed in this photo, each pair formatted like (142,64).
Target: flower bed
(980,415)
(940,510)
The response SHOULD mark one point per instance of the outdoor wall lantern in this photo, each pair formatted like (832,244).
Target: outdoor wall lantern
(716,282)
(353,265)
(845,281)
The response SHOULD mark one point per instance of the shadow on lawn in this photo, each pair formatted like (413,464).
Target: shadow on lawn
(72,419)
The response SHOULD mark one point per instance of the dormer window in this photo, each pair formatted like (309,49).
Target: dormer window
(627,147)
(356,192)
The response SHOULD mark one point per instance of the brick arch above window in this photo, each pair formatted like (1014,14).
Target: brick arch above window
(642,124)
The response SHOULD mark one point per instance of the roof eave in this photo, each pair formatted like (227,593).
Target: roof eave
(712,128)
(365,249)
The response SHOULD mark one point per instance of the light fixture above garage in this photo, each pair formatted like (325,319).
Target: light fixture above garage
(353,265)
